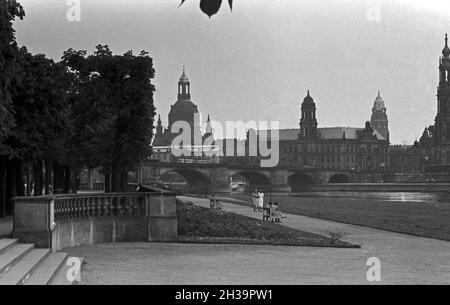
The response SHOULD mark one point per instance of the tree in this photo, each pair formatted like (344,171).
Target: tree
(41,116)
(9,11)
(211,7)
(112,111)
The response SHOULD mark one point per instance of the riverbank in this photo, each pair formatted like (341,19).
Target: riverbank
(419,218)
(379,187)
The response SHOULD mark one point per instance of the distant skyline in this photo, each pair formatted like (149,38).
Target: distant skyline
(257,62)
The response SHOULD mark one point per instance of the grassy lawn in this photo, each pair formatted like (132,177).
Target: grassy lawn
(199,225)
(425,219)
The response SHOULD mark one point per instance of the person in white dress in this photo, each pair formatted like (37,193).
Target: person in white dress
(261,200)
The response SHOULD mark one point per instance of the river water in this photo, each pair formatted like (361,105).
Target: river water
(388,196)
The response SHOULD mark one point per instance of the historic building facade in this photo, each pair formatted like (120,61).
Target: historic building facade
(434,144)
(350,149)
(337,148)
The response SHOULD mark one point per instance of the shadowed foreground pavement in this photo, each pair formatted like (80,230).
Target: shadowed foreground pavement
(6,226)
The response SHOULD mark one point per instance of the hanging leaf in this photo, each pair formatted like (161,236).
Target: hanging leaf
(210,7)
(182,1)
(230,2)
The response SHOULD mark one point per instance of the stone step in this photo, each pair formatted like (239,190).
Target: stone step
(13,255)
(61,277)
(6,244)
(23,269)
(47,271)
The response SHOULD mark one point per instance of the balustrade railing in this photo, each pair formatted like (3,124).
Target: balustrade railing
(103,205)
(61,221)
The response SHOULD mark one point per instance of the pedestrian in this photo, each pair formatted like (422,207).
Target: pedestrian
(255,199)
(261,200)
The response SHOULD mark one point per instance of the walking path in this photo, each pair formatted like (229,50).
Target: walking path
(404,258)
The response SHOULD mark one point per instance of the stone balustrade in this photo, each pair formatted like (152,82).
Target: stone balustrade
(63,221)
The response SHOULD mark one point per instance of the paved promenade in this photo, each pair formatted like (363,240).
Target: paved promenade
(404,259)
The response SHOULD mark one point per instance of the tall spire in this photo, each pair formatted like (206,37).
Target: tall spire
(184,87)
(308,121)
(208,128)
(446,50)
(159,127)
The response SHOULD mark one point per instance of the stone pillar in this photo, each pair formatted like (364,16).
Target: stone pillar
(90,179)
(162,217)
(279,180)
(219,180)
(33,220)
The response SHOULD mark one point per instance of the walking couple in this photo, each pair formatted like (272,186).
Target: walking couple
(258,200)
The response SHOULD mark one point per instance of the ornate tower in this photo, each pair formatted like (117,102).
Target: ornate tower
(184,87)
(159,127)
(208,128)
(442,122)
(184,109)
(379,119)
(308,121)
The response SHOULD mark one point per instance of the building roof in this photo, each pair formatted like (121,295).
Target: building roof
(326,133)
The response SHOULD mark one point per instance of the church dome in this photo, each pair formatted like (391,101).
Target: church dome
(184,78)
(308,101)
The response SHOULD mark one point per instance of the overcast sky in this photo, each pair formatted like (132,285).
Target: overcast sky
(257,62)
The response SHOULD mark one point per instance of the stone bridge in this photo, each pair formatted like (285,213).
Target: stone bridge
(216,177)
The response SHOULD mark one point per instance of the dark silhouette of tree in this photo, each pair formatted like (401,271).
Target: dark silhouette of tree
(9,11)
(211,7)
(112,111)
(41,116)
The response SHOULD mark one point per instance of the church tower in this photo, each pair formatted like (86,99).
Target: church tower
(184,87)
(379,119)
(308,121)
(442,122)
(184,109)
(159,127)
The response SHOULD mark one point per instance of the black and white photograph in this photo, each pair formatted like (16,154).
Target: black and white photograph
(224,149)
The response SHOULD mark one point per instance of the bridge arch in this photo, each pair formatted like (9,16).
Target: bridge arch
(339,178)
(297,181)
(255,179)
(196,180)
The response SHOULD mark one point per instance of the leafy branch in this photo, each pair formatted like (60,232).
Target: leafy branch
(210,7)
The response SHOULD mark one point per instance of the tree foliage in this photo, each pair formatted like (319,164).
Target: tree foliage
(112,109)
(211,7)
(40,109)
(9,10)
